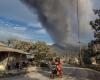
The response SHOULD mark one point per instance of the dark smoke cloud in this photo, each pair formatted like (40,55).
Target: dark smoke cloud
(57,16)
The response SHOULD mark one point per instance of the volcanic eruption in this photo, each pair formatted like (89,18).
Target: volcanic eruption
(59,17)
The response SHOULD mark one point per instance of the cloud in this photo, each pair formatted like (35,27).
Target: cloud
(20,28)
(50,43)
(17,31)
(15,10)
(21,25)
(6,35)
(96,4)
(41,32)
(35,25)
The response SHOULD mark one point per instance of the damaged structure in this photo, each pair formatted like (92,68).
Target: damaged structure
(10,57)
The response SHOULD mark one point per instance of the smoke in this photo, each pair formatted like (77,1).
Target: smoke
(85,15)
(59,17)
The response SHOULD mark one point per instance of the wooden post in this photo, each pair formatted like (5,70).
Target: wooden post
(20,60)
(8,59)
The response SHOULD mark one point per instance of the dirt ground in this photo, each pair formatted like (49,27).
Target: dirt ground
(69,73)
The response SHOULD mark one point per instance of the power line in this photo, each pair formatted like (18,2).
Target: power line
(79,42)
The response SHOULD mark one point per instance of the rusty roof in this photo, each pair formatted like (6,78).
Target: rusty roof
(1,44)
(4,48)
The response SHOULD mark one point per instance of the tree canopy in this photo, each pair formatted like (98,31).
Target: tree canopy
(39,49)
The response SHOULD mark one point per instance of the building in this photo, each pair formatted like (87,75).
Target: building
(10,56)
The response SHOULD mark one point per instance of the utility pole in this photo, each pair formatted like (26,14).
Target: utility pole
(79,42)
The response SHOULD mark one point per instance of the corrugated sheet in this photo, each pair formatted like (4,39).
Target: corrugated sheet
(4,48)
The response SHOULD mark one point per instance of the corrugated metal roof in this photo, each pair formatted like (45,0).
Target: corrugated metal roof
(1,44)
(4,48)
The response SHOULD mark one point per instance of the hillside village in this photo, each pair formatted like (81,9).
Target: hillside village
(22,49)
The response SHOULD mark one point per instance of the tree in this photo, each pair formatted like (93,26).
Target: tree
(94,45)
(41,49)
(86,56)
(95,24)
(21,45)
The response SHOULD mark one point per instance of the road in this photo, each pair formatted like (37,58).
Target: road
(69,73)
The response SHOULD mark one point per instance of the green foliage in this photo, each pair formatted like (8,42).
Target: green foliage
(93,46)
(95,24)
(41,49)
(87,56)
(21,45)
(51,56)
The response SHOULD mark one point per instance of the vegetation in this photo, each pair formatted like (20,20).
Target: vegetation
(94,46)
(87,55)
(40,49)
(21,45)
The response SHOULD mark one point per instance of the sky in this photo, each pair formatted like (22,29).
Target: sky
(17,21)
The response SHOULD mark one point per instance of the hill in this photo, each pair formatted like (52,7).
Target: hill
(64,50)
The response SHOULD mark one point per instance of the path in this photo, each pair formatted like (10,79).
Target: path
(70,73)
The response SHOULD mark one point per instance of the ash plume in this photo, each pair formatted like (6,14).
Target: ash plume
(59,16)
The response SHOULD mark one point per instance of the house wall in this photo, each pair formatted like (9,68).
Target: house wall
(7,58)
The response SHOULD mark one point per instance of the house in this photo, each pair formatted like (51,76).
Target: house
(10,56)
